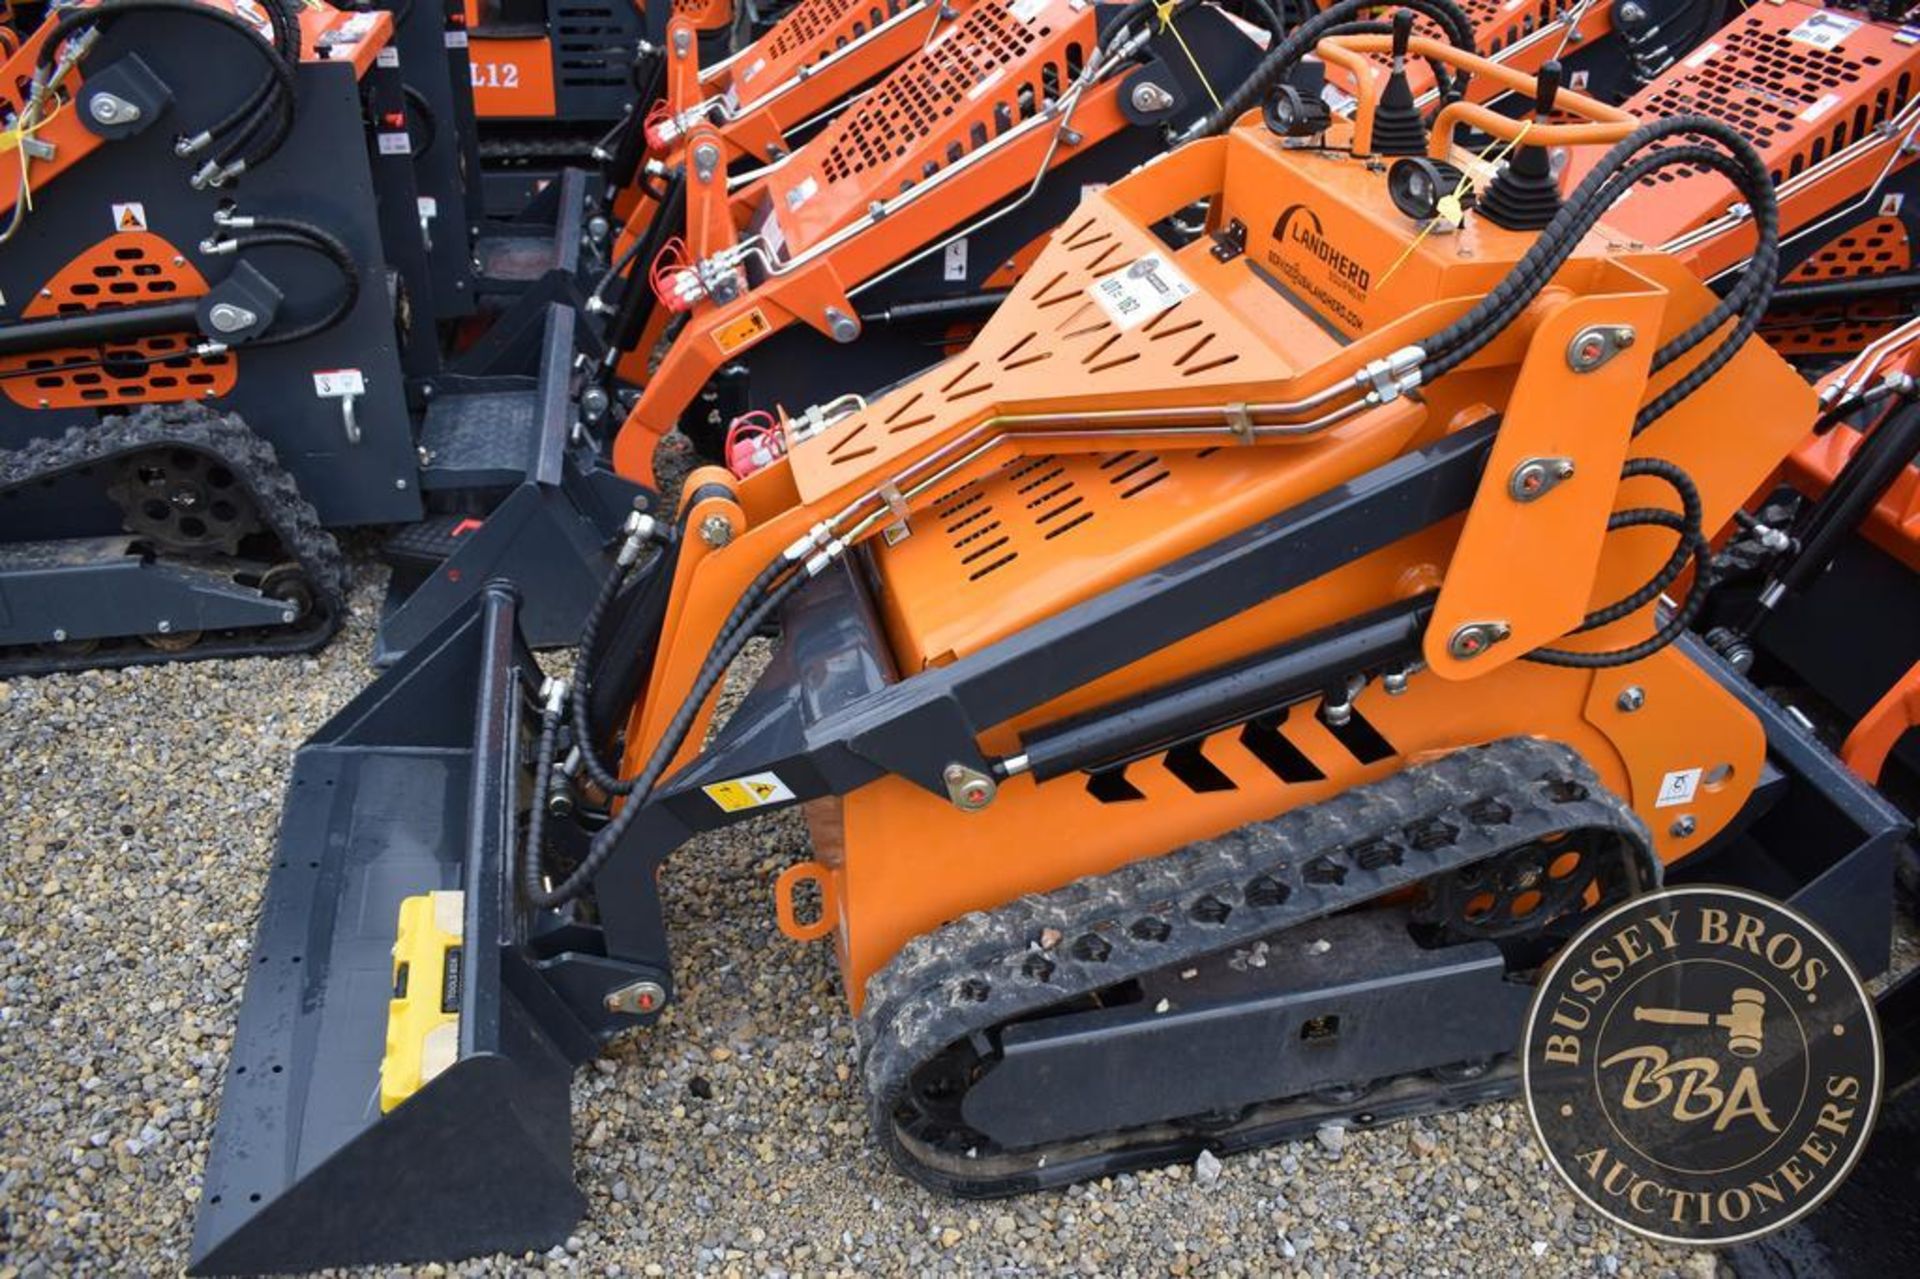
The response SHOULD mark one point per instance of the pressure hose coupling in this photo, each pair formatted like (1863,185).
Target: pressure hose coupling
(553,696)
(194,145)
(1391,376)
(640,529)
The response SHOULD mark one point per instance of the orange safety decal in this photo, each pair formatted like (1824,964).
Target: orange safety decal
(742,331)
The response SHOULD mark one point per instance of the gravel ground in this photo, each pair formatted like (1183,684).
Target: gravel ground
(137,810)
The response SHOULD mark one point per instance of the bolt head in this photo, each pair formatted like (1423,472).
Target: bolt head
(1683,827)
(1631,698)
(165,627)
(59,635)
(716,531)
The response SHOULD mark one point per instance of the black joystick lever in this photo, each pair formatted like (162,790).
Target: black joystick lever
(1397,127)
(1524,195)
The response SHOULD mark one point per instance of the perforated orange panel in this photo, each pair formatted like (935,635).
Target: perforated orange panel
(994,70)
(128,269)
(808,32)
(1872,248)
(1796,101)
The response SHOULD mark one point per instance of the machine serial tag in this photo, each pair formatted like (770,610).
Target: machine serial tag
(1135,294)
(755,790)
(335,384)
(1678,787)
(1824,30)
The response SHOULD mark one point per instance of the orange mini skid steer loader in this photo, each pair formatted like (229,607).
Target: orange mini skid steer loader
(1294,597)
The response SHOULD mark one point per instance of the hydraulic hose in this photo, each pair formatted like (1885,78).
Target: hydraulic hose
(292,233)
(1271,69)
(275,55)
(1616,173)
(756,605)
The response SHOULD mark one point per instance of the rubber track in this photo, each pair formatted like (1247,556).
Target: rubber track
(989,968)
(286,515)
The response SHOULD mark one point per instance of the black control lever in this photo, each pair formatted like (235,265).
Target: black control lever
(1524,195)
(1397,127)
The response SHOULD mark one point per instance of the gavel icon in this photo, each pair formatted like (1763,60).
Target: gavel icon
(1744,1022)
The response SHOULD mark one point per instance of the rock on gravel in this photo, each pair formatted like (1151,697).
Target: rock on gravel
(137,810)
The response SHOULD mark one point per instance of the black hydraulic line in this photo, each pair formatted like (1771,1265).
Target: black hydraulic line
(429,122)
(1884,452)
(1218,699)
(753,610)
(964,307)
(650,85)
(1861,288)
(92,328)
(1692,545)
(72,20)
(1286,53)
(637,300)
(293,233)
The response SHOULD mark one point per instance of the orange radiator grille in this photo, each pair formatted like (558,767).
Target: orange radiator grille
(909,107)
(1877,247)
(998,66)
(810,31)
(1799,82)
(129,269)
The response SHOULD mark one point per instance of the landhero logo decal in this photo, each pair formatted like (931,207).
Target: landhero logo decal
(1298,227)
(1702,1065)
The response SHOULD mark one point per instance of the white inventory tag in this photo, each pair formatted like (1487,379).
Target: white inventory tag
(387,57)
(1701,56)
(1027,10)
(1678,787)
(338,384)
(953,260)
(1135,294)
(1824,30)
(456,39)
(395,144)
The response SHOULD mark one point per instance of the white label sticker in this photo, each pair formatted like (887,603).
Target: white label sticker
(1135,294)
(130,217)
(456,39)
(1820,108)
(338,384)
(1699,57)
(395,144)
(801,192)
(953,260)
(1027,10)
(1338,100)
(759,65)
(429,207)
(388,57)
(752,791)
(775,235)
(1678,787)
(1824,30)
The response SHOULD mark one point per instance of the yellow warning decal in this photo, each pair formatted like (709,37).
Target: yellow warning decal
(130,217)
(742,331)
(752,791)
(423,1017)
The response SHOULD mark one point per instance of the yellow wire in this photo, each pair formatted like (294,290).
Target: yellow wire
(1164,10)
(15,139)
(1458,214)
